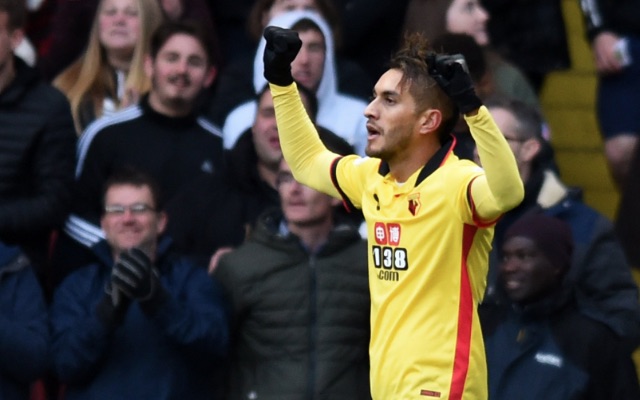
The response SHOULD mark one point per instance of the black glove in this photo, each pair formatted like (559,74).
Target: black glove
(135,276)
(454,80)
(112,308)
(281,49)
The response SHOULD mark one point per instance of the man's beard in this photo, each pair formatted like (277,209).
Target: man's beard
(176,102)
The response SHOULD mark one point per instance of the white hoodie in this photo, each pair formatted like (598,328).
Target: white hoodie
(342,114)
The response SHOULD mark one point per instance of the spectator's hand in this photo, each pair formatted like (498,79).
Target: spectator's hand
(281,49)
(135,276)
(604,53)
(112,308)
(455,82)
(215,259)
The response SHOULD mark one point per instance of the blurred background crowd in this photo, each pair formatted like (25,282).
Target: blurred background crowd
(174,89)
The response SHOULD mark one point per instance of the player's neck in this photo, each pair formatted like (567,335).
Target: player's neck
(402,168)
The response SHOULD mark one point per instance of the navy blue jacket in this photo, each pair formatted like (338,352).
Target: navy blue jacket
(24,333)
(549,350)
(170,354)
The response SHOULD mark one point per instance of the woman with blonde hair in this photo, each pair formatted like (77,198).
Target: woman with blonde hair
(110,73)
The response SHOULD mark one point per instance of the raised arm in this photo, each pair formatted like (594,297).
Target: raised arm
(310,161)
(500,188)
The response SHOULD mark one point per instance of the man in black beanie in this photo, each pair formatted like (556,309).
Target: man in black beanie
(539,332)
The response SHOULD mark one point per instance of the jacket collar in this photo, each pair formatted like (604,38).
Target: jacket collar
(552,191)
(11,260)
(165,120)
(272,230)
(25,77)
(548,305)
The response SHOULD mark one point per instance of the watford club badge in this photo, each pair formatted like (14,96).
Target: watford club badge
(414,203)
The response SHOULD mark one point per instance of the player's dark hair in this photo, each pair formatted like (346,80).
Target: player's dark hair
(411,61)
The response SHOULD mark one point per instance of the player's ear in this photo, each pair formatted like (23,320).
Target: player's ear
(429,121)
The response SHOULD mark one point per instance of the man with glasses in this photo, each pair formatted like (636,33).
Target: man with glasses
(141,323)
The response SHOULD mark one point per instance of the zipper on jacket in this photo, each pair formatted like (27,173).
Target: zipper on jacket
(313,326)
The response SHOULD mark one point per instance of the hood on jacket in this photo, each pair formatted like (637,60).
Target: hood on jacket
(328,83)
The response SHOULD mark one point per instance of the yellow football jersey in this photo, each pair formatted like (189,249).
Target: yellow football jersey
(427,269)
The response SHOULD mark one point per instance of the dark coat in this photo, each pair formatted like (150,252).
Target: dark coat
(206,215)
(24,338)
(242,174)
(169,353)
(549,350)
(37,157)
(301,321)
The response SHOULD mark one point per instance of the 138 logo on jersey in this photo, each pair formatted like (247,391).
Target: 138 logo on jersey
(387,254)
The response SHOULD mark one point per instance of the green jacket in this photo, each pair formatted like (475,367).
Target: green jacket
(301,321)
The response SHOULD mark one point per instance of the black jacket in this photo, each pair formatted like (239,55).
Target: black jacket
(37,157)
(242,170)
(548,350)
(206,215)
(301,321)
(173,150)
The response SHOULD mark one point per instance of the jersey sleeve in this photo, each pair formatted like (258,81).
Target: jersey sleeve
(351,175)
(500,189)
(311,163)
